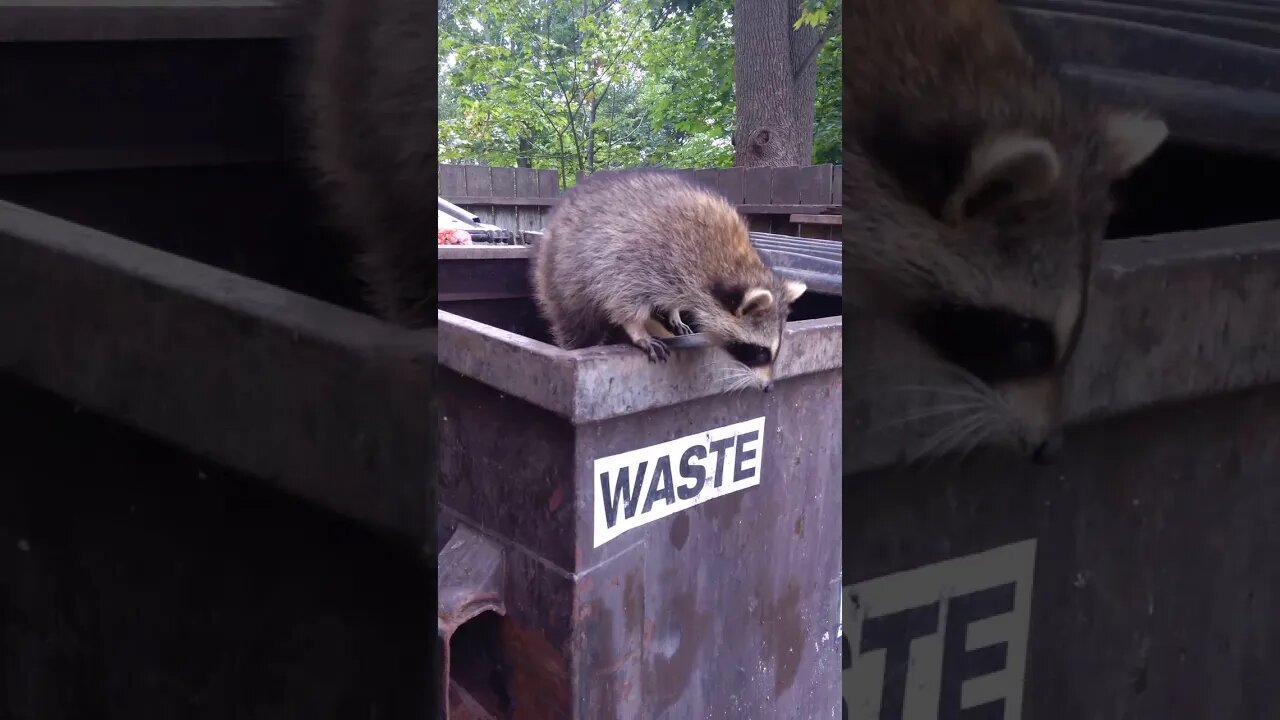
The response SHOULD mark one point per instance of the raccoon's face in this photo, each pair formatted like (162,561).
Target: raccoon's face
(994,276)
(756,317)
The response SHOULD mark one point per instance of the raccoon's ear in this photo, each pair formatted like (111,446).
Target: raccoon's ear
(792,290)
(755,300)
(1003,171)
(1129,138)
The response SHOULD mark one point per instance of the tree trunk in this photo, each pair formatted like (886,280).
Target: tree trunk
(775,77)
(524,157)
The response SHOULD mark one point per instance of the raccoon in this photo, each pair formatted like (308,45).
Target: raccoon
(369,109)
(623,249)
(976,194)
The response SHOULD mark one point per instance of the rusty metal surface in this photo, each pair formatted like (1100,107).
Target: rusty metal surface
(723,610)
(470,581)
(603,382)
(320,401)
(718,612)
(1155,583)
(140,581)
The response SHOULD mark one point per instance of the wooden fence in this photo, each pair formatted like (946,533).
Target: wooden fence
(803,201)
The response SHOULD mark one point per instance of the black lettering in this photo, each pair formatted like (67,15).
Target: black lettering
(740,456)
(692,471)
(959,664)
(661,485)
(622,493)
(718,447)
(894,634)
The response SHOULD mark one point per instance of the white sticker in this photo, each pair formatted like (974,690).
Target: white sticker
(639,486)
(941,641)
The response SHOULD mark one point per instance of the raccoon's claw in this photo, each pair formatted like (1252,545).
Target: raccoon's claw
(655,349)
(678,324)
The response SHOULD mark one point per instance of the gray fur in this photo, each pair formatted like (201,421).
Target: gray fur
(930,87)
(623,247)
(371,117)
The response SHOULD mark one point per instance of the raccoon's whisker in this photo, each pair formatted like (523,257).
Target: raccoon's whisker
(735,378)
(989,427)
(958,438)
(932,441)
(933,412)
(972,437)
(960,392)
(942,440)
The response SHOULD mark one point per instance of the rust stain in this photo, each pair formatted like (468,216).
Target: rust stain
(539,680)
(557,498)
(633,605)
(785,637)
(680,531)
(584,611)
(671,656)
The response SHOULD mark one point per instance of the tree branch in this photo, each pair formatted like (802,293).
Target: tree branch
(809,57)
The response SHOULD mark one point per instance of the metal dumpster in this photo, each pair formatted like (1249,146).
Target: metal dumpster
(1137,578)
(708,592)
(164,267)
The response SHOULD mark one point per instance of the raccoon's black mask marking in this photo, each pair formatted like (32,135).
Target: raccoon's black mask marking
(750,355)
(729,296)
(995,345)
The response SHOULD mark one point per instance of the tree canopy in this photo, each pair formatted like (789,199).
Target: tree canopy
(584,85)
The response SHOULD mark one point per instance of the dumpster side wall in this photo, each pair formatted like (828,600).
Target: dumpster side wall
(729,607)
(1155,575)
(1137,578)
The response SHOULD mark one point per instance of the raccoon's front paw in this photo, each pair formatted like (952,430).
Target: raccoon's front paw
(655,349)
(679,326)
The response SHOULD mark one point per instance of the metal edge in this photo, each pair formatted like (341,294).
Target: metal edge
(511,363)
(617,380)
(609,381)
(316,400)
(482,252)
(131,20)
(1173,318)
(1242,119)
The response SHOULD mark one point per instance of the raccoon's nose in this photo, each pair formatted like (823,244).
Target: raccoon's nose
(768,387)
(1049,450)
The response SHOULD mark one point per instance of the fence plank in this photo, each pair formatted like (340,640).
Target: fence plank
(479,184)
(452,181)
(757,186)
(503,181)
(815,185)
(504,186)
(527,217)
(526,183)
(707,177)
(687,174)
(729,182)
(786,184)
(548,183)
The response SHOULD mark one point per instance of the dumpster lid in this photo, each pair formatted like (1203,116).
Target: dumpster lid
(1209,68)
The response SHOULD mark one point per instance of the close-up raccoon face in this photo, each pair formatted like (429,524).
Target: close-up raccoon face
(991,268)
(751,327)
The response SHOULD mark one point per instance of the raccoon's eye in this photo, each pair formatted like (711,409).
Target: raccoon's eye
(749,354)
(994,345)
